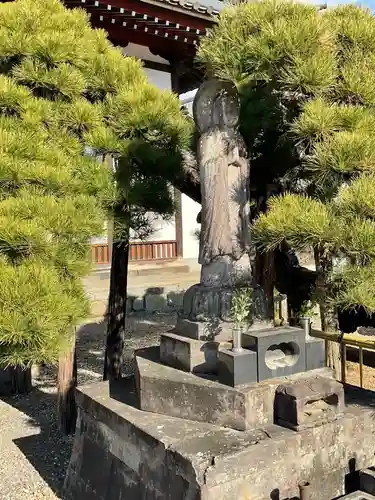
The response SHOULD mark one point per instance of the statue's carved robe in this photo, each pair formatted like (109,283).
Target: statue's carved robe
(225,176)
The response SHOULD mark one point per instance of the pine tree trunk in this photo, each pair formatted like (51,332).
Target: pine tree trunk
(67,382)
(328,317)
(116,313)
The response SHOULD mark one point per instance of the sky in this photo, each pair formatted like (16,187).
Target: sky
(365,3)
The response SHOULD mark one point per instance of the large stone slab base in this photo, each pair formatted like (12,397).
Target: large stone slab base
(121,452)
(166,390)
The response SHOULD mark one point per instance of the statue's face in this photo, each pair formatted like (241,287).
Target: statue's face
(216,104)
(225,111)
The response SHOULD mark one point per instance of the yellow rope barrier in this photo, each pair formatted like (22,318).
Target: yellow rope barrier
(347,339)
(353,339)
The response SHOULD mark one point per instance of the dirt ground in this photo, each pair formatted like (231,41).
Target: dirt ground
(352,375)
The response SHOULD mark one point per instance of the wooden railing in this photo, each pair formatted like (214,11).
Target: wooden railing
(140,251)
(100,254)
(347,340)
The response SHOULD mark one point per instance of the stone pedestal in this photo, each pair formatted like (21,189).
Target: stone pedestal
(210,307)
(204,327)
(122,452)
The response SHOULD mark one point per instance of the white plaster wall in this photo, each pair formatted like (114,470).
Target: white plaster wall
(190,208)
(162,230)
(190,227)
(161,79)
(187,100)
(142,52)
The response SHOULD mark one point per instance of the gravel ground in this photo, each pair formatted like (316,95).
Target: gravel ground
(34,454)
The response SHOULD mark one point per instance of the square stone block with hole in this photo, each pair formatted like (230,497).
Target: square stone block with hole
(358,495)
(308,403)
(367,480)
(281,351)
(188,354)
(315,354)
(237,368)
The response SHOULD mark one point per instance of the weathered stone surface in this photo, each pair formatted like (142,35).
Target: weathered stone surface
(261,397)
(189,354)
(175,299)
(204,330)
(168,458)
(168,391)
(367,480)
(202,303)
(281,351)
(237,368)
(358,495)
(307,403)
(155,302)
(315,354)
(129,304)
(138,304)
(220,331)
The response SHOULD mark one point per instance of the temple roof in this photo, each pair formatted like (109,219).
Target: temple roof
(169,27)
(211,7)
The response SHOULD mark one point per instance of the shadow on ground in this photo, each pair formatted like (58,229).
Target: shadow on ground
(49,450)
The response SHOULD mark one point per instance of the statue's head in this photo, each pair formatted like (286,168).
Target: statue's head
(216,104)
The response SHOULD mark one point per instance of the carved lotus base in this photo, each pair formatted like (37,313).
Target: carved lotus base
(209,304)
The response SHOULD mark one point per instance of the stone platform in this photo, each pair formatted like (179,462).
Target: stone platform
(121,452)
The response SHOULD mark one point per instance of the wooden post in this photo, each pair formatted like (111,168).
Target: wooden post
(67,382)
(109,160)
(110,239)
(178,224)
(175,84)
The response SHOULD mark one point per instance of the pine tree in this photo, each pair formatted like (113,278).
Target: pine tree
(308,77)
(65,91)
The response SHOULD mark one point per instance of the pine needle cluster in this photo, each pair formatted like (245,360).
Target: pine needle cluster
(64,88)
(309,76)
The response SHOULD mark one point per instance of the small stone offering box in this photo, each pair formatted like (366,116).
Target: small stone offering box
(237,368)
(308,403)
